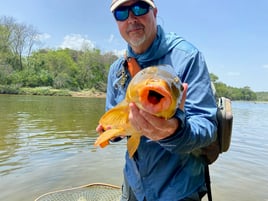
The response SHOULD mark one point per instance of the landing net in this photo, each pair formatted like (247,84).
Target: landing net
(90,192)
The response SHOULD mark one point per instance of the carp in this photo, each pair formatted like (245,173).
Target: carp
(156,90)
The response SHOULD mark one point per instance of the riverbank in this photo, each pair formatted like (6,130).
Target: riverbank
(49,91)
(88,94)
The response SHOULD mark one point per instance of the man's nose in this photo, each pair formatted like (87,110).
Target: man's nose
(132,18)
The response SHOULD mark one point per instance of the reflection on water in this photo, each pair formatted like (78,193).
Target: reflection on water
(46,144)
(31,125)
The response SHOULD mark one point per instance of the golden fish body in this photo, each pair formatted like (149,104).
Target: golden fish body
(156,90)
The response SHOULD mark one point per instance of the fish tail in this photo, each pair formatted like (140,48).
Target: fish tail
(133,144)
(103,139)
(104,144)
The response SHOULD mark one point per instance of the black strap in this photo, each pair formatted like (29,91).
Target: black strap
(207,179)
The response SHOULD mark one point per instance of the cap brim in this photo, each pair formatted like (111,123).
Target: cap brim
(119,2)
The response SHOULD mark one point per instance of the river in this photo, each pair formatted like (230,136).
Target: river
(46,144)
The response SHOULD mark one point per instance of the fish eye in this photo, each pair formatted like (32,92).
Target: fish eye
(176,79)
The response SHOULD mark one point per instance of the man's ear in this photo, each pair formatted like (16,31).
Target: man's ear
(155,12)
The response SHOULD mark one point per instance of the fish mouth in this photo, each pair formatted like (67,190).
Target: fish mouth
(155,99)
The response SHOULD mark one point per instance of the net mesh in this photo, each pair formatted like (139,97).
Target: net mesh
(92,192)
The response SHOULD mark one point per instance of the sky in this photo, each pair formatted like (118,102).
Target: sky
(231,34)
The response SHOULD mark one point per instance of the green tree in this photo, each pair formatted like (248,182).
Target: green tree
(17,40)
(58,65)
(93,69)
(214,78)
(233,93)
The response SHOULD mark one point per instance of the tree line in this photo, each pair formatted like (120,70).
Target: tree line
(233,93)
(23,64)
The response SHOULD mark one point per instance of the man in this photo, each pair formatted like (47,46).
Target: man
(164,167)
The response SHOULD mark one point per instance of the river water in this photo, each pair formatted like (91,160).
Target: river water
(46,144)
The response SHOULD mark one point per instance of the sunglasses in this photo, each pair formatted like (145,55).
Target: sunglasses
(138,9)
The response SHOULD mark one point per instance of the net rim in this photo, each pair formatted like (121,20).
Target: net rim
(79,187)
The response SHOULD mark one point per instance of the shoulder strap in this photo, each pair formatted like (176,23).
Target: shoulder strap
(132,66)
(208,184)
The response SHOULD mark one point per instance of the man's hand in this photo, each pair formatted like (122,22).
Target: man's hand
(155,128)
(100,129)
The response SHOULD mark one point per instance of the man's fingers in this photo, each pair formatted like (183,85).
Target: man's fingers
(99,128)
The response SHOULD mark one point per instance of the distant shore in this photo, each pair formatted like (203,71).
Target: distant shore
(49,91)
(88,94)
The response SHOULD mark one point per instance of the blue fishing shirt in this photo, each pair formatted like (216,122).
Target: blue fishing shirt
(167,170)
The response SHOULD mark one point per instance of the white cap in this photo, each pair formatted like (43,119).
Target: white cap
(116,3)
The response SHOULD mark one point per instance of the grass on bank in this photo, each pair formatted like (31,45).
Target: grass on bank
(48,91)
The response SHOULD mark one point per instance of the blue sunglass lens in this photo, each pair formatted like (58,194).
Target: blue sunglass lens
(138,9)
(121,15)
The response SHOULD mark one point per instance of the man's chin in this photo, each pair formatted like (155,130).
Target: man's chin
(137,41)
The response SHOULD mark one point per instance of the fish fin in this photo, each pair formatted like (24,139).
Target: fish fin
(103,139)
(117,116)
(133,143)
(104,144)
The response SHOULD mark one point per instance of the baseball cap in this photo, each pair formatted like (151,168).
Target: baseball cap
(116,3)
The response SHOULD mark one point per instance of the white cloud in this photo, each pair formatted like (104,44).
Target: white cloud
(265,66)
(111,38)
(119,53)
(77,42)
(43,37)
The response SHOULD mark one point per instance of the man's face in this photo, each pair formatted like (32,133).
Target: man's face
(138,31)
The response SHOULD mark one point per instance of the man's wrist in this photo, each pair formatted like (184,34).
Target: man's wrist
(180,116)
